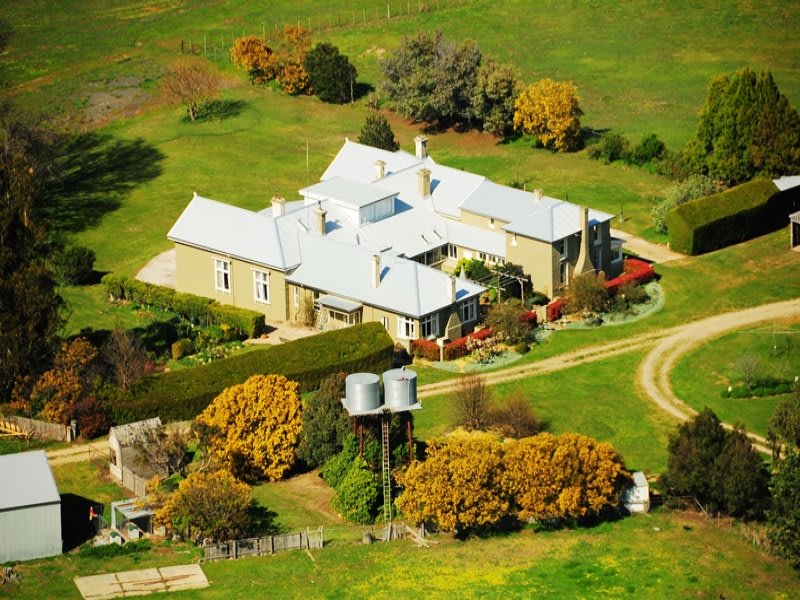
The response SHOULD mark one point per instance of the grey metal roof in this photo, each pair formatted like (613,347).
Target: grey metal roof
(504,203)
(787,182)
(338,303)
(555,222)
(26,480)
(348,192)
(357,161)
(483,240)
(131,433)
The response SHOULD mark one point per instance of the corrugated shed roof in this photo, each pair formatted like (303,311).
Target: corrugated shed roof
(26,480)
(787,182)
(406,287)
(131,433)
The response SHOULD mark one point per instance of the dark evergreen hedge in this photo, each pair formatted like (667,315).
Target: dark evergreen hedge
(730,217)
(183,394)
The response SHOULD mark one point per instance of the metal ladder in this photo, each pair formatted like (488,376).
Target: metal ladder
(387,476)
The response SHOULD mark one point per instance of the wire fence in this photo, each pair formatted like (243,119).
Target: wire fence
(215,43)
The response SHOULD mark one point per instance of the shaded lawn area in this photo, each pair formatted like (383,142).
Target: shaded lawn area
(701,375)
(598,399)
(88,481)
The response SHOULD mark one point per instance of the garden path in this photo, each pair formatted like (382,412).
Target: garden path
(658,253)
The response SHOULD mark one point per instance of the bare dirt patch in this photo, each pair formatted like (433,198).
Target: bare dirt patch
(117,98)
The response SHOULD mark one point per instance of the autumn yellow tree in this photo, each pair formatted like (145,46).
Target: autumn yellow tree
(59,389)
(251,53)
(565,477)
(206,505)
(254,428)
(291,44)
(458,486)
(549,111)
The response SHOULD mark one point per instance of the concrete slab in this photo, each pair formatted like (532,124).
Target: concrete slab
(141,582)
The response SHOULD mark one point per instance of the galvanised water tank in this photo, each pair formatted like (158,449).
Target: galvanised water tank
(362,392)
(400,389)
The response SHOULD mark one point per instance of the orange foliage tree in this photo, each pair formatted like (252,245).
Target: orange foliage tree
(291,45)
(459,485)
(254,428)
(549,111)
(564,477)
(206,505)
(251,53)
(59,390)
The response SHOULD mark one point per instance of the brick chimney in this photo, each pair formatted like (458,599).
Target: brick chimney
(319,215)
(278,206)
(376,270)
(451,289)
(584,263)
(380,169)
(424,181)
(421,146)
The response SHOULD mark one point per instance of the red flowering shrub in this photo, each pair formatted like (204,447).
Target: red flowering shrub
(555,308)
(529,317)
(634,270)
(427,349)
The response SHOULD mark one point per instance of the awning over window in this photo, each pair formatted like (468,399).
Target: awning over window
(337,303)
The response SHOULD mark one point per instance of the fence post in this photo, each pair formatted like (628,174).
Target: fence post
(235,549)
(271,545)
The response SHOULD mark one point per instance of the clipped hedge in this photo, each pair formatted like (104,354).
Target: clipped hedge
(429,349)
(634,270)
(183,394)
(194,308)
(730,217)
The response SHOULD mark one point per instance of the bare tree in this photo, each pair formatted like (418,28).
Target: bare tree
(165,451)
(128,360)
(472,401)
(514,417)
(749,365)
(191,82)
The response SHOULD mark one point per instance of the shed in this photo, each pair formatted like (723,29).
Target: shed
(794,230)
(637,497)
(122,442)
(30,507)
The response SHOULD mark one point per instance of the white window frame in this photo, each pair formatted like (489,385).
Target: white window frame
(468,310)
(406,328)
(296,295)
(451,251)
(618,256)
(222,275)
(261,286)
(513,239)
(430,326)
(491,222)
(385,323)
(597,258)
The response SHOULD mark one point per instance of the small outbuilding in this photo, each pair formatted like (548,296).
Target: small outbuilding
(30,507)
(794,230)
(636,499)
(126,465)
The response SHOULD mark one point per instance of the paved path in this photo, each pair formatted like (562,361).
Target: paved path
(658,253)
(665,348)
(160,270)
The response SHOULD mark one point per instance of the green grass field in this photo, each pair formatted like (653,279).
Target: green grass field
(702,374)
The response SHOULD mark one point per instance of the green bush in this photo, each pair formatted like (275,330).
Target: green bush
(183,394)
(197,309)
(111,550)
(649,149)
(336,467)
(730,217)
(612,146)
(357,494)
(182,347)
(522,348)
(75,265)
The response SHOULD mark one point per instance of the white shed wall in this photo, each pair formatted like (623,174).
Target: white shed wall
(32,532)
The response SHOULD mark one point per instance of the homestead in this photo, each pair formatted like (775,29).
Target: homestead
(378,239)
(30,508)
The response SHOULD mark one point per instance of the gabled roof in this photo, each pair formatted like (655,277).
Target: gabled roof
(357,162)
(504,203)
(348,192)
(406,287)
(27,480)
(131,434)
(787,182)
(555,222)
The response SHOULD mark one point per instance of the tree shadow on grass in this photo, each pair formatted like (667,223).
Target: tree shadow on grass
(262,521)
(219,110)
(96,173)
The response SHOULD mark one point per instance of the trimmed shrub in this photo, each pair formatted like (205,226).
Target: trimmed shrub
(611,147)
(75,265)
(649,149)
(182,347)
(183,394)
(194,308)
(634,271)
(555,308)
(730,217)
(427,349)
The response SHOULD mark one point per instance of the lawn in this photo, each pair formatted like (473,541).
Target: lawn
(597,399)
(672,555)
(700,376)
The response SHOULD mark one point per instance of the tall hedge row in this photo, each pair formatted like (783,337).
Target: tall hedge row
(730,217)
(194,308)
(183,394)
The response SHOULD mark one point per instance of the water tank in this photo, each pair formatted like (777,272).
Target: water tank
(362,392)
(400,389)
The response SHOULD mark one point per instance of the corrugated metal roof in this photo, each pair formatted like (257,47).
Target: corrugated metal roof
(504,203)
(787,182)
(338,303)
(406,287)
(357,161)
(349,192)
(483,240)
(27,480)
(131,433)
(555,222)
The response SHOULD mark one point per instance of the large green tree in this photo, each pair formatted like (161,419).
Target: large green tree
(496,89)
(331,74)
(784,517)
(431,79)
(747,127)
(784,425)
(29,305)
(377,132)
(325,423)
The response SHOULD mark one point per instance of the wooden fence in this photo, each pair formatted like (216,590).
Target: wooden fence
(264,545)
(32,427)
(132,481)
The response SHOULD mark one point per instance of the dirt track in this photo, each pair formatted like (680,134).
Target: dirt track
(653,374)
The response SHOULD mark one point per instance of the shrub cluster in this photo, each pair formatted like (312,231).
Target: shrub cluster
(730,217)
(111,550)
(556,308)
(181,395)
(759,388)
(193,308)
(634,270)
(429,349)
(614,146)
